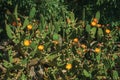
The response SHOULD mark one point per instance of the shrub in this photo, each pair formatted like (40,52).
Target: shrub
(49,42)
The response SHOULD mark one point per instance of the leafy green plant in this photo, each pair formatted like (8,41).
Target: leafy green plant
(49,42)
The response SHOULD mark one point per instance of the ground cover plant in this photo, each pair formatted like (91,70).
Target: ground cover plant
(59,40)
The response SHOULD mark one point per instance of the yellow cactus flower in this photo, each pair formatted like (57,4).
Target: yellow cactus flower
(97,50)
(75,40)
(83,46)
(29,27)
(26,42)
(41,47)
(93,23)
(95,20)
(68,66)
(107,31)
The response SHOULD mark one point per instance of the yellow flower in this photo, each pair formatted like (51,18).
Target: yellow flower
(95,20)
(107,31)
(40,47)
(97,50)
(29,27)
(93,23)
(26,42)
(83,46)
(75,40)
(68,66)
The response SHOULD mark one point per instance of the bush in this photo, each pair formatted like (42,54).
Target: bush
(49,40)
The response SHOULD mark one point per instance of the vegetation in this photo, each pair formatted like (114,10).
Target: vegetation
(59,40)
